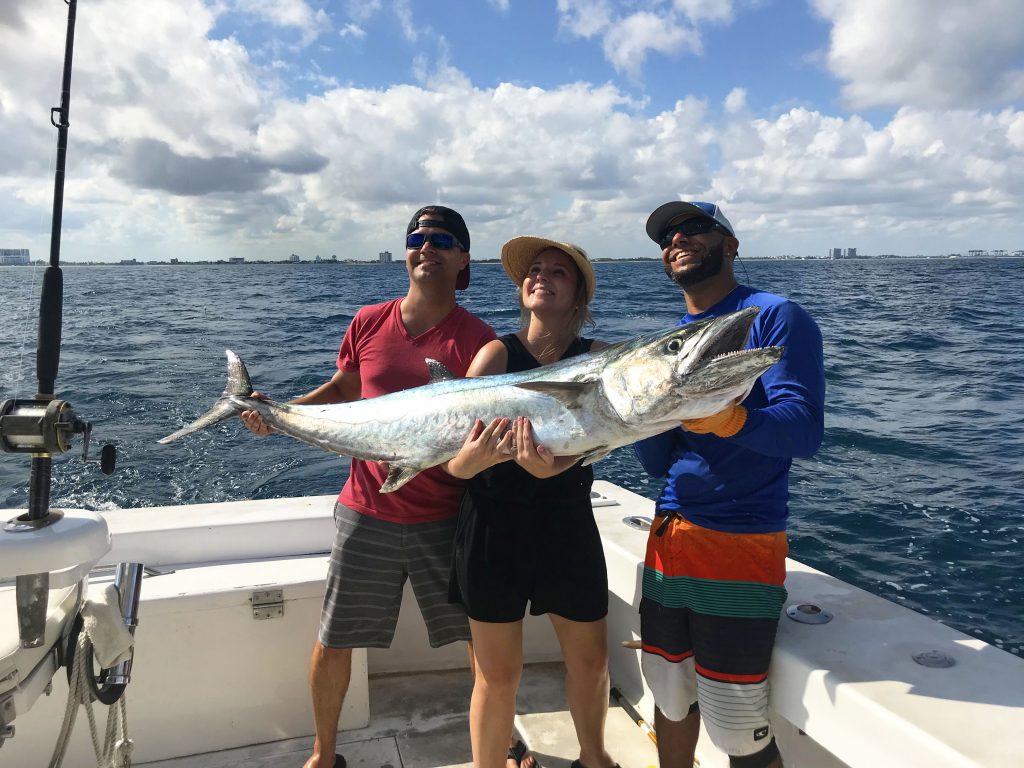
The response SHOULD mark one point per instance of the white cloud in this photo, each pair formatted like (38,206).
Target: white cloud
(701,10)
(361,11)
(295,14)
(203,154)
(585,18)
(917,180)
(736,101)
(667,27)
(627,42)
(917,52)
(403,12)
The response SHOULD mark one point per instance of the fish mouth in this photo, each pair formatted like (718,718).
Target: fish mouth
(721,362)
(723,336)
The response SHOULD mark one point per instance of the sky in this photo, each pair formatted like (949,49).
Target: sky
(211,129)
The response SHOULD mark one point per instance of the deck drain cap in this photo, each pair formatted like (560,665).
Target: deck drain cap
(935,659)
(808,613)
(638,522)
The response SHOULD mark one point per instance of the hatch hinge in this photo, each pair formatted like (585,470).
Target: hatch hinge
(268,604)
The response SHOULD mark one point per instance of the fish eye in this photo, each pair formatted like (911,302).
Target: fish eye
(675,345)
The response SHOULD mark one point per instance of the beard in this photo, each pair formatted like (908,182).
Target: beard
(709,266)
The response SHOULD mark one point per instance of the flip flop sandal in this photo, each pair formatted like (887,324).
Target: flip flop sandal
(518,752)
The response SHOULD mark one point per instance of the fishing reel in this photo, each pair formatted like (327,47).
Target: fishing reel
(41,427)
(46,427)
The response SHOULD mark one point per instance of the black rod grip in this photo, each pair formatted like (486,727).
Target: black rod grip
(39,487)
(51,310)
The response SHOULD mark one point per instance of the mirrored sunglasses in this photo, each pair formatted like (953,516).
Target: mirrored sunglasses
(440,240)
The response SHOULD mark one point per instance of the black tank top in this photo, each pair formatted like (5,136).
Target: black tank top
(508,485)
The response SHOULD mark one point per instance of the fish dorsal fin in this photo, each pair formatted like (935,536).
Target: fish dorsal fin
(438,371)
(397,477)
(568,393)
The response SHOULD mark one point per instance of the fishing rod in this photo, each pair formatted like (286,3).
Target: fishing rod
(44,425)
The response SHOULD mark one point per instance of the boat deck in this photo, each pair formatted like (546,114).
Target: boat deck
(421,720)
(211,674)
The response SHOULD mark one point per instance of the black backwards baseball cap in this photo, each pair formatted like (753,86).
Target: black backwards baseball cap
(451,221)
(672,213)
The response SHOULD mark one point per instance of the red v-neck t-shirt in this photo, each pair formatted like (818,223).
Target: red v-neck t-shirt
(378,347)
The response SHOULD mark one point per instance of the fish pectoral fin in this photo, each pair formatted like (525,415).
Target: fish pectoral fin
(595,455)
(438,371)
(566,392)
(397,477)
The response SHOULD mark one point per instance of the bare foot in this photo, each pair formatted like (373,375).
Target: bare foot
(316,760)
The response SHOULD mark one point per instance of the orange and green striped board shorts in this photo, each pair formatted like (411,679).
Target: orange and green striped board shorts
(708,617)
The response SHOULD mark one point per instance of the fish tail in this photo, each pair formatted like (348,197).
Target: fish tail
(229,404)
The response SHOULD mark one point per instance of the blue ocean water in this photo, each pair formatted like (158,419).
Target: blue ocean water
(916,495)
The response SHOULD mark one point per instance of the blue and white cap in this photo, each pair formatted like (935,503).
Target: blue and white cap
(672,213)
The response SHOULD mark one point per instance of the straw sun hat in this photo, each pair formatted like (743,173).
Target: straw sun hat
(518,254)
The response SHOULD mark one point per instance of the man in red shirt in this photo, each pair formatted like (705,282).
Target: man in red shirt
(383,539)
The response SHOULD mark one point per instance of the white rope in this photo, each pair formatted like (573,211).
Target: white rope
(117,747)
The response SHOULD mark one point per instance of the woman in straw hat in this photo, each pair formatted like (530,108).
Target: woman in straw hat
(526,532)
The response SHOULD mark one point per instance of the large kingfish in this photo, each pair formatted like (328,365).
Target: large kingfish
(584,406)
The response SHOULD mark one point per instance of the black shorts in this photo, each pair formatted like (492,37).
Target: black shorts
(549,557)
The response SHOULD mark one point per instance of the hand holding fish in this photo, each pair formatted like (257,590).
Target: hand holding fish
(725,423)
(254,421)
(484,447)
(534,457)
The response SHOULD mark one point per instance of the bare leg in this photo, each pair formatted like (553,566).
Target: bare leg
(677,739)
(585,649)
(498,665)
(330,670)
(529,761)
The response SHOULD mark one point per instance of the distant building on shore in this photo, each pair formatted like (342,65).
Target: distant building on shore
(236,260)
(384,257)
(837,253)
(999,253)
(14,257)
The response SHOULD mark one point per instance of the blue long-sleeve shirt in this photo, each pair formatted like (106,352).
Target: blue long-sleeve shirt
(740,484)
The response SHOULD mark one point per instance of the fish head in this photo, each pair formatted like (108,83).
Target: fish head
(690,371)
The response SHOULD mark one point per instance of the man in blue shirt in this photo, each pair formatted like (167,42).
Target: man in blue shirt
(715,564)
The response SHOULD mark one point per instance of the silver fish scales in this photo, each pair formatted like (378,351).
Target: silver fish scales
(584,406)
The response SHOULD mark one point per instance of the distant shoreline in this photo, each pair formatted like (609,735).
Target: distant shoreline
(364,263)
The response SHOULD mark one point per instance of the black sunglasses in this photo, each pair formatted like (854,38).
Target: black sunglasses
(690,227)
(440,240)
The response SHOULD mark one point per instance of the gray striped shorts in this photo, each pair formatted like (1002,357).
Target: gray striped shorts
(370,562)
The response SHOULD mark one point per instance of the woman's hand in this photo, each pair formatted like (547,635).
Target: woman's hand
(484,447)
(254,421)
(532,456)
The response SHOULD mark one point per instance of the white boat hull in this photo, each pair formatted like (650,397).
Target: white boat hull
(210,676)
